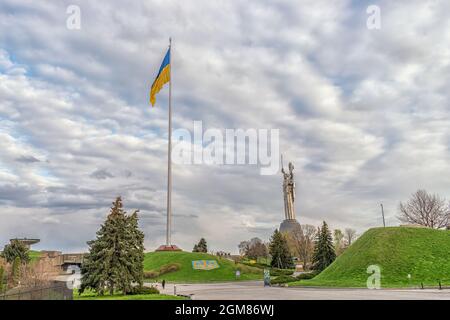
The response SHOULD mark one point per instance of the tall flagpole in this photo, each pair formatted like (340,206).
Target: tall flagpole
(169,157)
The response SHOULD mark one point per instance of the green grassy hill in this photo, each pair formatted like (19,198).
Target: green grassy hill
(34,255)
(154,261)
(398,251)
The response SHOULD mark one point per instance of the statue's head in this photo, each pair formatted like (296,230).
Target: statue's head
(291,166)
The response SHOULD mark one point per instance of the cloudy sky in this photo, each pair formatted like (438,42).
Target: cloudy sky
(362,113)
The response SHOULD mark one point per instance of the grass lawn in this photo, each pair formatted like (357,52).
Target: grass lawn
(92,296)
(398,251)
(34,255)
(186,274)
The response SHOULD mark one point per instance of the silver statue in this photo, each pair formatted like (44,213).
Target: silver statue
(289,191)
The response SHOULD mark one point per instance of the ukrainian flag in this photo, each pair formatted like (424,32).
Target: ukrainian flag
(162,78)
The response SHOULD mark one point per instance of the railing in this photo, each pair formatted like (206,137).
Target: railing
(54,292)
(440,284)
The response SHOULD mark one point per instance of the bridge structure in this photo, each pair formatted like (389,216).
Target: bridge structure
(70,259)
(64,260)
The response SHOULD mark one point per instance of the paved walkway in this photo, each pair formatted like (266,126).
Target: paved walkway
(254,290)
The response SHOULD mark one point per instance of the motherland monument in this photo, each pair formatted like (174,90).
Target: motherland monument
(290,223)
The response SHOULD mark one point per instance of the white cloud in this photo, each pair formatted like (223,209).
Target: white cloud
(362,113)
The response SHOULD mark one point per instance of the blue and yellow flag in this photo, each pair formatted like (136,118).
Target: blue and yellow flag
(162,78)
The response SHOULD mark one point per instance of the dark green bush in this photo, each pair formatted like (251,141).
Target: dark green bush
(281,272)
(256,265)
(306,276)
(283,279)
(169,268)
(144,290)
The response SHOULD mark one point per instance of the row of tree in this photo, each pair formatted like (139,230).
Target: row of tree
(314,248)
(307,243)
(115,261)
(318,247)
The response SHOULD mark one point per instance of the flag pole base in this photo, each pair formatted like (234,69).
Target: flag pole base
(168,248)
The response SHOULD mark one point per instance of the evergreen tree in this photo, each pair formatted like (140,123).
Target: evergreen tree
(116,256)
(16,271)
(136,242)
(201,246)
(279,250)
(15,249)
(324,253)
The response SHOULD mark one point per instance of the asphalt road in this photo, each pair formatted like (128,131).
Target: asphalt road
(255,290)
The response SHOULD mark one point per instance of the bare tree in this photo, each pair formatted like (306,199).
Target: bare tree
(425,209)
(257,250)
(253,248)
(301,241)
(349,236)
(339,242)
(243,247)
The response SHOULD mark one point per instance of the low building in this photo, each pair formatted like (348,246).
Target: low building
(27,242)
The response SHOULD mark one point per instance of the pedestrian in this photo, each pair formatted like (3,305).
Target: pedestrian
(163,283)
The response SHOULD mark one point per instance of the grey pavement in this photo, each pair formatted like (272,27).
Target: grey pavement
(254,290)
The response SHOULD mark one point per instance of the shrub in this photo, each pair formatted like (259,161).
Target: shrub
(144,290)
(247,269)
(167,268)
(281,272)
(257,265)
(306,276)
(151,274)
(283,279)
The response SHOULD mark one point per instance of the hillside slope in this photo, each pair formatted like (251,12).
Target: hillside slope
(225,272)
(398,251)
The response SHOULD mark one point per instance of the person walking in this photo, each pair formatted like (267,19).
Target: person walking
(163,283)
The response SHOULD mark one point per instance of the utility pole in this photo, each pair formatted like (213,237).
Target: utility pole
(382,214)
